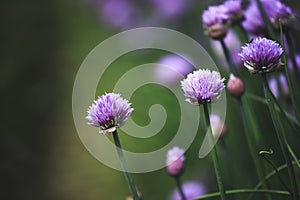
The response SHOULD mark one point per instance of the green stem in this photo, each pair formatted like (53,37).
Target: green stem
(274,167)
(243,32)
(278,108)
(178,183)
(266,20)
(293,155)
(214,155)
(243,191)
(281,137)
(127,175)
(272,173)
(227,56)
(291,84)
(251,146)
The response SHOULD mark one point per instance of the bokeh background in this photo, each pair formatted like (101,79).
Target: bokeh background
(42,46)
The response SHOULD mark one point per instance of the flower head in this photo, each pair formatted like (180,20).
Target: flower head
(275,10)
(234,10)
(171,68)
(170,8)
(175,159)
(261,55)
(191,190)
(109,112)
(215,20)
(203,85)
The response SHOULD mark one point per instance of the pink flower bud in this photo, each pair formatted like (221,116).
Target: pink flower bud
(175,158)
(235,86)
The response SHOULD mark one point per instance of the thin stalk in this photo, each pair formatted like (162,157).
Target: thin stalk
(292,89)
(281,137)
(266,20)
(178,183)
(243,191)
(293,155)
(227,56)
(278,108)
(253,152)
(244,33)
(272,173)
(292,85)
(127,175)
(292,53)
(263,154)
(214,155)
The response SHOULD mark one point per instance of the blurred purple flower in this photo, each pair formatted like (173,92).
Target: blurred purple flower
(253,21)
(117,13)
(261,55)
(191,190)
(234,10)
(277,86)
(175,159)
(233,44)
(274,9)
(170,64)
(290,63)
(203,85)
(170,8)
(109,111)
(215,20)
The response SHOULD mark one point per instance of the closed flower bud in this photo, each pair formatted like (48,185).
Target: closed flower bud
(175,159)
(235,86)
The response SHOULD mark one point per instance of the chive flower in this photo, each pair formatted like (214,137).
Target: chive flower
(109,112)
(234,10)
(175,159)
(203,86)
(275,10)
(191,190)
(215,21)
(261,55)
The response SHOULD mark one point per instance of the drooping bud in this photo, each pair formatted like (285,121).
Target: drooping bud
(235,86)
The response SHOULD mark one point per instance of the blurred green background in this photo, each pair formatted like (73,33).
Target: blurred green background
(42,46)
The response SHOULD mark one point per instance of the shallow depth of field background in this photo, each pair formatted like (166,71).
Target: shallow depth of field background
(42,46)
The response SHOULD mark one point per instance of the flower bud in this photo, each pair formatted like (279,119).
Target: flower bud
(175,159)
(235,86)
(218,126)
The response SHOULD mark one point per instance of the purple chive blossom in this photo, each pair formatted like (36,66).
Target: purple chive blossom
(202,86)
(172,68)
(275,10)
(234,10)
(215,20)
(117,13)
(191,190)
(261,55)
(170,8)
(175,159)
(109,111)
(253,21)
